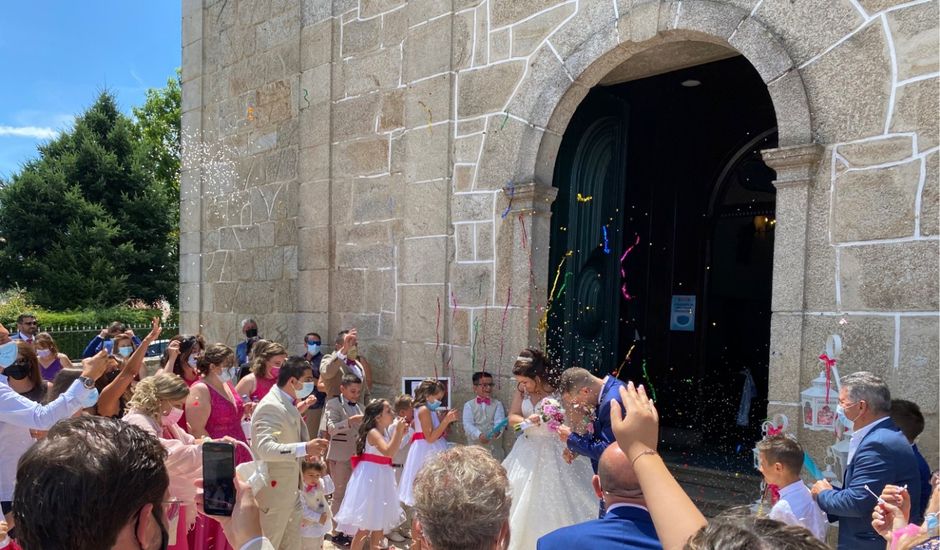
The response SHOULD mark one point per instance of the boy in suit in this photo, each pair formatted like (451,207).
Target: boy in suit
(907,415)
(482,413)
(343,416)
(878,454)
(279,439)
(627,522)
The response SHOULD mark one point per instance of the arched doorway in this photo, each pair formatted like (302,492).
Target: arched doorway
(663,164)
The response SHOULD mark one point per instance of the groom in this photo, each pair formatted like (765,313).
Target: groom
(581,389)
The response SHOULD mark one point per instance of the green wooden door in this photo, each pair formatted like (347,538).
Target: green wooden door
(589,175)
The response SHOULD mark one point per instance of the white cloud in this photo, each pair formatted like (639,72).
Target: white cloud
(35,132)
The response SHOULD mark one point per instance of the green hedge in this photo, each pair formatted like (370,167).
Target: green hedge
(14,302)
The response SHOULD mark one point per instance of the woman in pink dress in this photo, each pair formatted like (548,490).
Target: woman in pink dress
(265,364)
(180,358)
(214,409)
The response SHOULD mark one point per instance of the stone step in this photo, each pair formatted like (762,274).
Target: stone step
(715,491)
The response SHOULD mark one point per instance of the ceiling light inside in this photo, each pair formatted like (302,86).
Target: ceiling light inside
(691,83)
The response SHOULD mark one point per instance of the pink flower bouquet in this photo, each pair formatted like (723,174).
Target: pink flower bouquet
(551,413)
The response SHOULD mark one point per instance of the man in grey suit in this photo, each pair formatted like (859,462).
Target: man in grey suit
(279,438)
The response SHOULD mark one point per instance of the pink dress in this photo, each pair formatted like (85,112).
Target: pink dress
(225,418)
(262,387)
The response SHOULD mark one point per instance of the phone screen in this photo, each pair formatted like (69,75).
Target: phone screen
(218,473)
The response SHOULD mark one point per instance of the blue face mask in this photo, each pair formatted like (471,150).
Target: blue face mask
(90,399)
(313,349)
(306,390)
(8,354)
(433,405)
(126,351)
(840,412)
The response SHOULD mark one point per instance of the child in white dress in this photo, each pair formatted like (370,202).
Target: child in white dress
(317,519)
(428,439)
(371,503)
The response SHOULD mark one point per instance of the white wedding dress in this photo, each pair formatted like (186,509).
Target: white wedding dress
(547,492)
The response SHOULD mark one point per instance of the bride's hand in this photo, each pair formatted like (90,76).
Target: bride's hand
(534,419)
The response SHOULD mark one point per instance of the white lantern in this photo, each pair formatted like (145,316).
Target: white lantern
(778,424)
(818,412)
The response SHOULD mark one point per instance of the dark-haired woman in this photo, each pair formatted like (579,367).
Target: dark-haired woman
(214,409)
(547,492)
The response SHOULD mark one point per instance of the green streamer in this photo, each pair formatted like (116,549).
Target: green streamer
(648,381)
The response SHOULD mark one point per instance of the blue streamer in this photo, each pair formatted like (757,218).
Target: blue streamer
(811,466)
(512,191)
(606,244)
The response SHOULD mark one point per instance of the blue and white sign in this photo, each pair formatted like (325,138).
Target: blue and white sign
(682,316)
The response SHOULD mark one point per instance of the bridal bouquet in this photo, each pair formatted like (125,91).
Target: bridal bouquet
(551,413)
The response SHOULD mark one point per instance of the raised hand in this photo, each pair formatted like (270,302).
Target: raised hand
(174,348)
(306,403)
(564,432)
(638,431)
(350,340)
(155,330)
(316,447)
(450,417)
(93,367)
(899,497)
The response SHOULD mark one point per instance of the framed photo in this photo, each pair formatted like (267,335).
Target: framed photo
(410,383)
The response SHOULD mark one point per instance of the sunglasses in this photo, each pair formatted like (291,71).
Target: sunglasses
(33,323)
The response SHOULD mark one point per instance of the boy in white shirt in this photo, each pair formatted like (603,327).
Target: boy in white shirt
(482,413)
(781,460)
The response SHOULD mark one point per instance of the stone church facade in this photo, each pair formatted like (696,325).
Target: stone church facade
(391,168)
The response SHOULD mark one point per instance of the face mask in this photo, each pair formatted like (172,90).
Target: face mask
(274,371)
(91,399)
(313,349)
(43,353)
(353,353)
(306,390)
(433,405)
(126,351)
(251,333)
(7,354)
(225,376)
(191,361)
(172,417)
(840,412)
(18,370)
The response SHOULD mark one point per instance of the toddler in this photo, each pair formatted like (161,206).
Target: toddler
(317,519)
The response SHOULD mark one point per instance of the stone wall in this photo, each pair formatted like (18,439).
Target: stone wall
(369,146)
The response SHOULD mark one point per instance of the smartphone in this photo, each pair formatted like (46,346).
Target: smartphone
(218,478)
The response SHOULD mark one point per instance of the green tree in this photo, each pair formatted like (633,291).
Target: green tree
(88,223)
(159,122)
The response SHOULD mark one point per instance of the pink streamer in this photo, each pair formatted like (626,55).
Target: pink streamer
(623,272)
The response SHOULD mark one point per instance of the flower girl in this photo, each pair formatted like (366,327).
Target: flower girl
(371,503)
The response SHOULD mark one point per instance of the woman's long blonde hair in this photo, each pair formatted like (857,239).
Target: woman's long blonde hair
(153,390)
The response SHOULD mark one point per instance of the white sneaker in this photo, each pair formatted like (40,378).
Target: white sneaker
(395,536)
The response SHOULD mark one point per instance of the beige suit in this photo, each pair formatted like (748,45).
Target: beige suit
(332,369)
(276,430)
(343,439)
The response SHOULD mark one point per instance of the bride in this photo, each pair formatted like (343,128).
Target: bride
(547,493)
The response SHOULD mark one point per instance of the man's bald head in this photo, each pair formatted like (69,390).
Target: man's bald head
(616,477)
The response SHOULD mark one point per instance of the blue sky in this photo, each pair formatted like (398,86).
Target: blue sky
(58,55)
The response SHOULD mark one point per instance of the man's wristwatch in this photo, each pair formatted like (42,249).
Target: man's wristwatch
(87,382)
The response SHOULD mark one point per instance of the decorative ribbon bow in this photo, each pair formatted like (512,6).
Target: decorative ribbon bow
(774,430)
(829,364)
(774,493)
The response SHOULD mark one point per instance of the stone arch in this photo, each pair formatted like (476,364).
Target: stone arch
(559,75)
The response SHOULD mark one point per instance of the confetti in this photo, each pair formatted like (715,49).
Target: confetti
(251,114)
(626,359)
(623,272)
(542,328)
(305,99)
(437,333)
(606,243)
(502,326)
(843,321)
(582,198)
(525,236)
(505,120)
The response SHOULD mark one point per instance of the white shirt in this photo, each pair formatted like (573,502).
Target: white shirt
(469,427)
(859,435)
(797,507)
(626,504)
(18,415)
(600,394)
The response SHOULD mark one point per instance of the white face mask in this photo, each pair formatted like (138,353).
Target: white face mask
(172,417)
(8,353)
(306,390)
(43,353)
(191,361)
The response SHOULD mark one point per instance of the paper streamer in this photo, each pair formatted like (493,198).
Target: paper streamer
(505,120)
(623,272)
(543,322)
(512,191)
(502,327)
(473,344)
(525,235)
(430,116)
(626,359)
(564,284)
(648,381)
(305,99)
(811,467)
(582,198)
(606,243)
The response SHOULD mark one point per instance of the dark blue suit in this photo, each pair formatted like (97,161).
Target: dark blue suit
(622,527)
(884,456)
(593,445)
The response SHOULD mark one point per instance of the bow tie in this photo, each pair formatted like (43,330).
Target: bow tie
(311,487)
(484,400)
(350,362)
(351,403)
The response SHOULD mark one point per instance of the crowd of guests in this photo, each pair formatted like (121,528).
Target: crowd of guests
(319,459)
